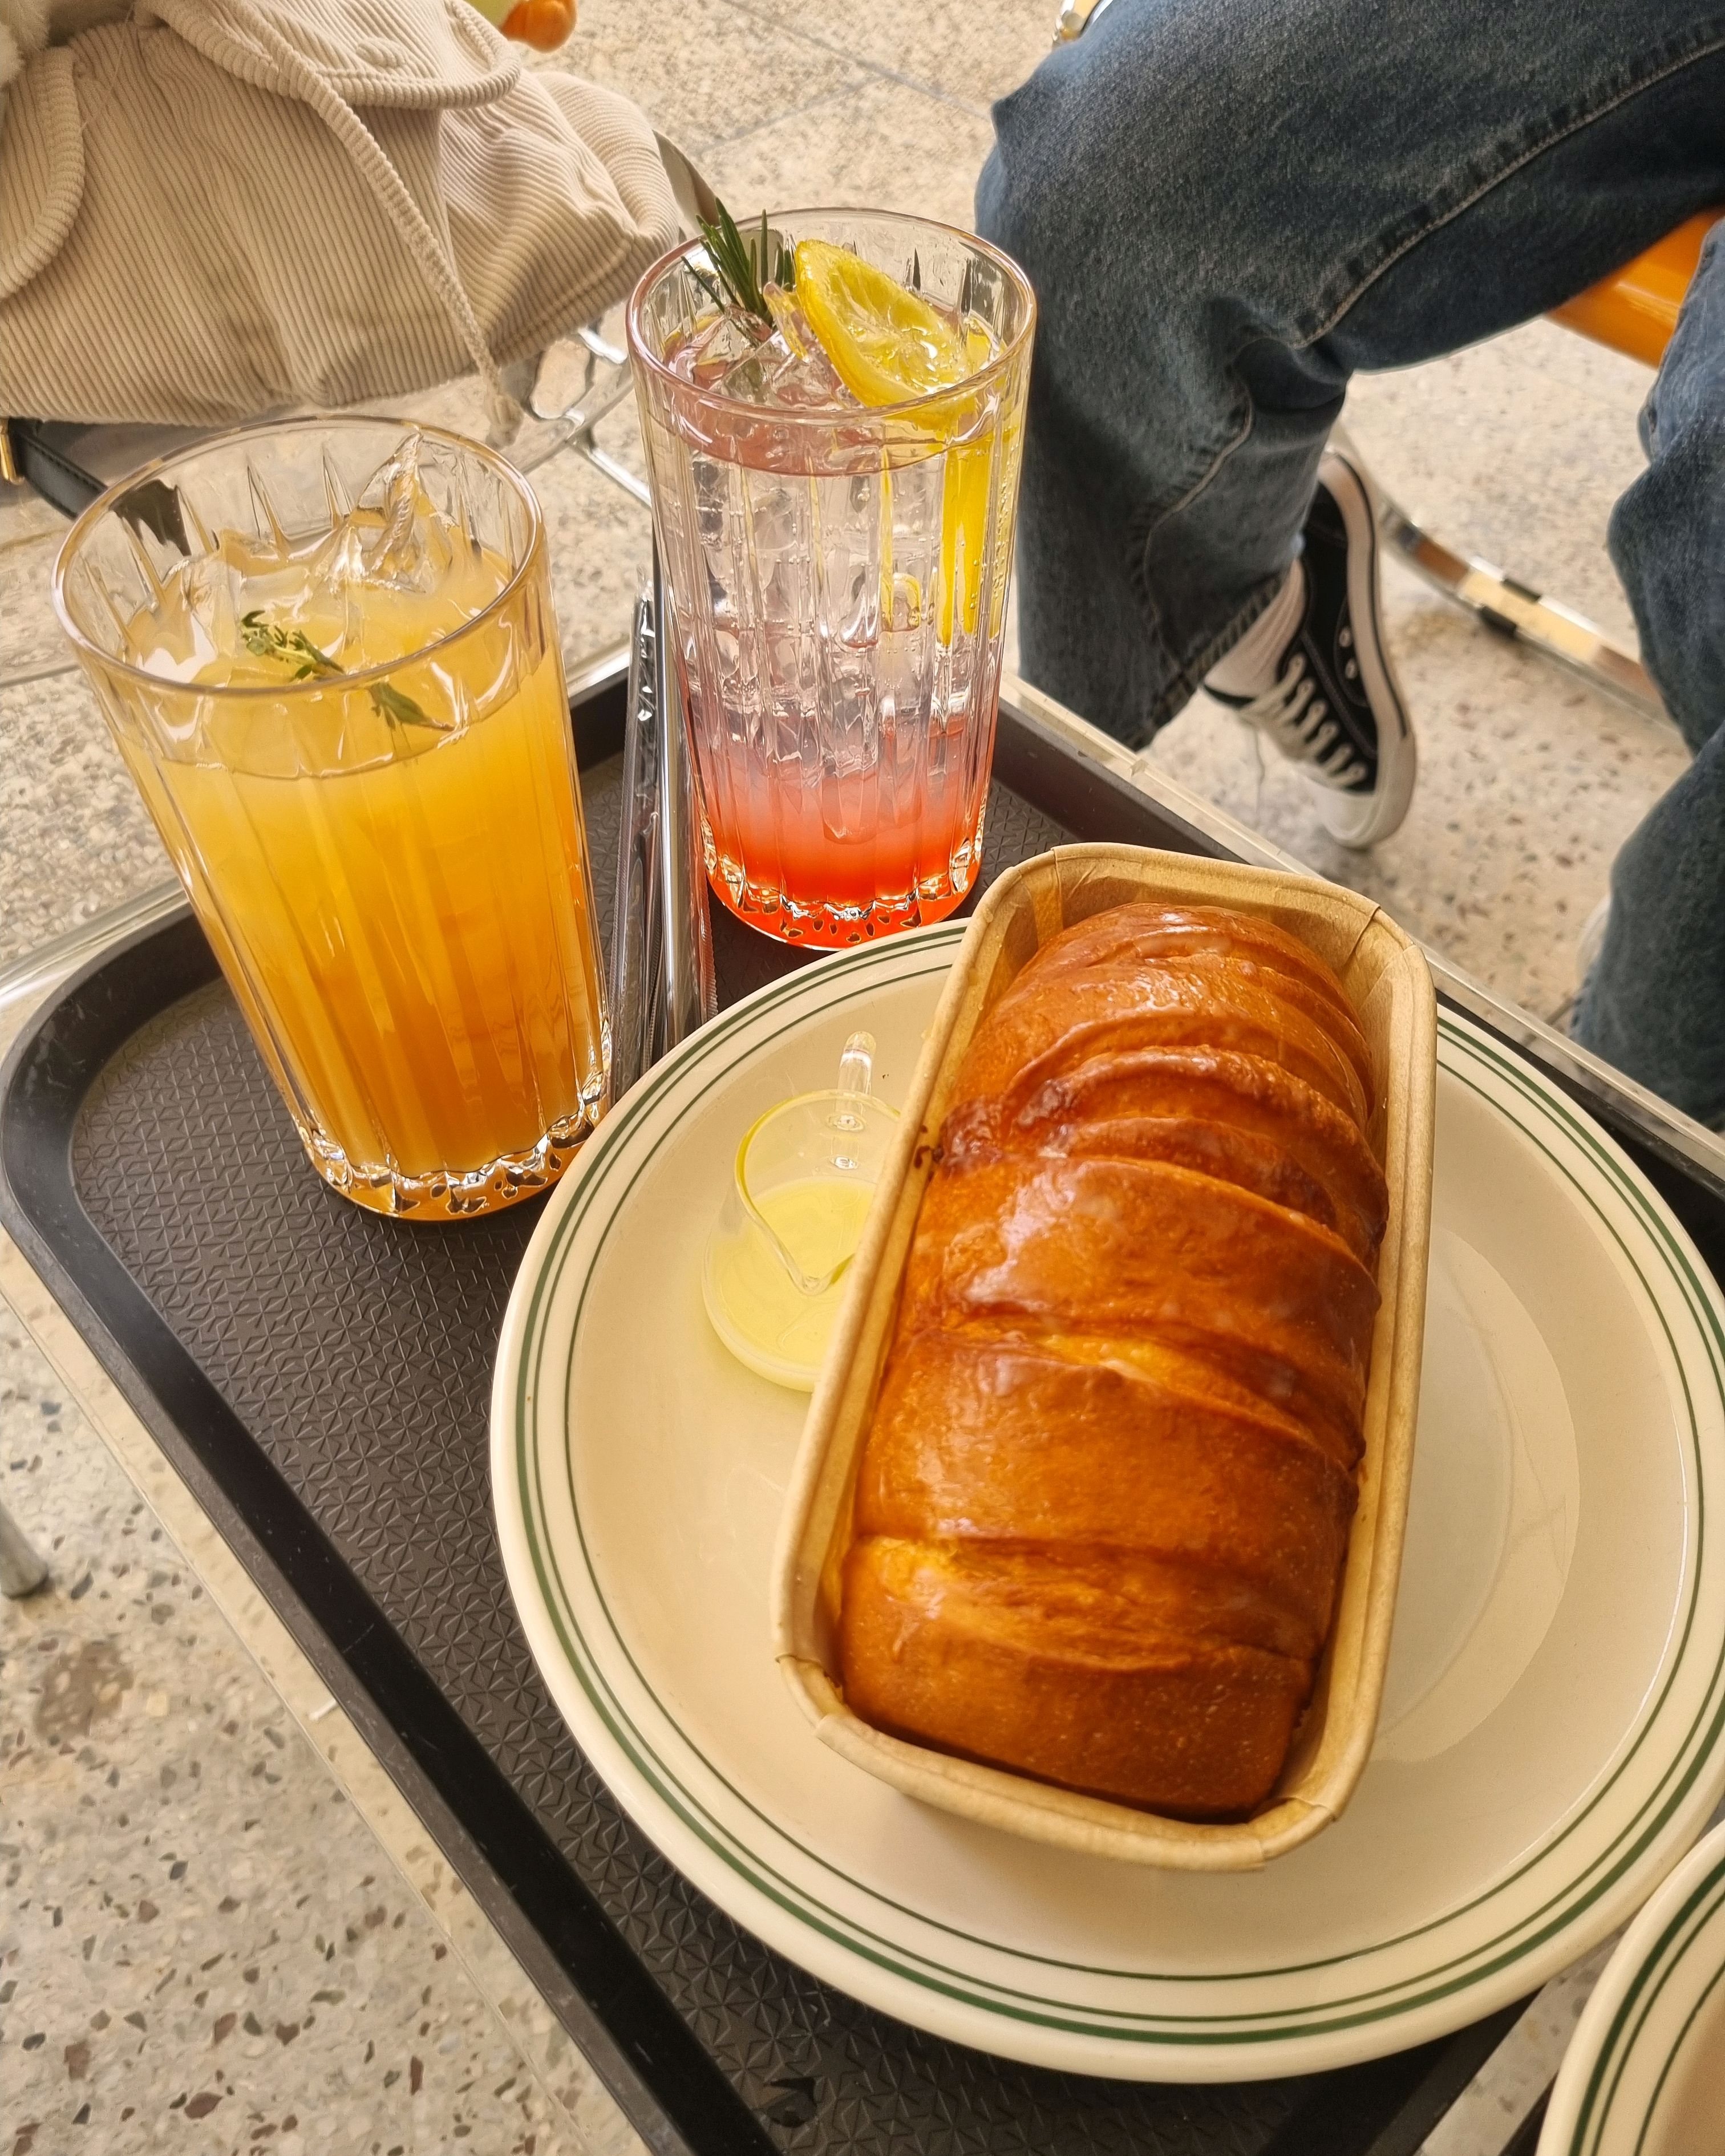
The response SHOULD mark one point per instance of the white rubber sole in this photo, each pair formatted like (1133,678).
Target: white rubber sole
(1361,820)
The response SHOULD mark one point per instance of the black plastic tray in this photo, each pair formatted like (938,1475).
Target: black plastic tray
(320,1377)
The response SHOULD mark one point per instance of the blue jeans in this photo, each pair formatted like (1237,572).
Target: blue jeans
(1227,207)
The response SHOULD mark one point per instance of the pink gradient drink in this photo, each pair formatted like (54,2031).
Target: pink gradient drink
(836,572)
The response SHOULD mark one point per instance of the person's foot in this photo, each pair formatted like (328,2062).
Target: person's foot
(1315,677)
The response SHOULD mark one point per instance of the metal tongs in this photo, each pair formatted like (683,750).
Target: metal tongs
(662,983)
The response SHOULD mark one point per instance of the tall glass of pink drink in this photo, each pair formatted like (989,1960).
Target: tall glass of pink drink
(836,574)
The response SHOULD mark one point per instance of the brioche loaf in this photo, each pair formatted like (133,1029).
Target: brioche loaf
(1104,1502)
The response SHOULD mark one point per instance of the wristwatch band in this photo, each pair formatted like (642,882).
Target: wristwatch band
(1075,18)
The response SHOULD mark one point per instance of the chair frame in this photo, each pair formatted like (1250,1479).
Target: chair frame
(1514,609)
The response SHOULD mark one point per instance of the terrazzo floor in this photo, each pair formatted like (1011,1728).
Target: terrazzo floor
(203,1944)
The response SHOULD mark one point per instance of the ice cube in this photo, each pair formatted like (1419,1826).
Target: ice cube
(414,544)
(780,376)
(749,379)
(813,380)
(210,585)
(711,350)
(397,539)
(789,319)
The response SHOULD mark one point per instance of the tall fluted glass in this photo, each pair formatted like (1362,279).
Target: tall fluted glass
(327,650)
(837,583)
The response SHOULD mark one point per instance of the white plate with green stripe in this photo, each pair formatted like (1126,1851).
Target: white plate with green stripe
(1645,2073)
(1549,1743)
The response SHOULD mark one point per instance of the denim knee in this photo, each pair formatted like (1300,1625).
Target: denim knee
(1075,188)
(1150,157)
(1046,181)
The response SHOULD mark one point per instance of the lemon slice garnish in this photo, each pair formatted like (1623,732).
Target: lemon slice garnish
(887,345)
(886,342)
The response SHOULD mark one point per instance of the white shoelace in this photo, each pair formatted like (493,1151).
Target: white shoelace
(1298,721)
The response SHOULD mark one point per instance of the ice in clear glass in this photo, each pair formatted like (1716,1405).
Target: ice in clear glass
(837,577)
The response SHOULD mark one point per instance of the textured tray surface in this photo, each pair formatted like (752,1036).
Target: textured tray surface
(358,1352)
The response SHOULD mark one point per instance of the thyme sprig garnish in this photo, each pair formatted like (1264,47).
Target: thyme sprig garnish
(740,269)
(292,647)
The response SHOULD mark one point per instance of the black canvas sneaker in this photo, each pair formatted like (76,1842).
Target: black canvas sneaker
(1336,709)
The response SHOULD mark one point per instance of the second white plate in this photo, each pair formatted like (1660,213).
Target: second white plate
(1645,2073)
(1549,1742)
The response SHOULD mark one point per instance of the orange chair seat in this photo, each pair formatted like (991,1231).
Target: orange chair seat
(1635,310)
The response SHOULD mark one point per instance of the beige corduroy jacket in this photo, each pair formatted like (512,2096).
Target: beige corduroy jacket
(218,209)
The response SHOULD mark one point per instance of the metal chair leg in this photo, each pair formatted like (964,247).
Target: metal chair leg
(1515,609)
(601,461)
(23,1568)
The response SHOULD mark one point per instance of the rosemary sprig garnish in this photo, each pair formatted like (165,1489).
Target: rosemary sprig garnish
(292,647)
(739,266)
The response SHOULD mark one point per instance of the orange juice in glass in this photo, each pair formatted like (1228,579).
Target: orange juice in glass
(326,651)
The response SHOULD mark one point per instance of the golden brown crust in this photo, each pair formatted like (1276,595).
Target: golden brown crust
(1126,935)
(934,1655)
(1104,1503)
(1283,1140)
(975,1440)
(1143,1247)
(1209,938)
(1177,1003)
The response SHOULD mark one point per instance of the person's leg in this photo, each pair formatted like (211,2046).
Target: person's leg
(1654,1004)
(1227,207)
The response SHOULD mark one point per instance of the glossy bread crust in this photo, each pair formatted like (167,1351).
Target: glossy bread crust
(1240,1117)
(1104,1503)
(974,1440)
(1175,1003)
(980,1661)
